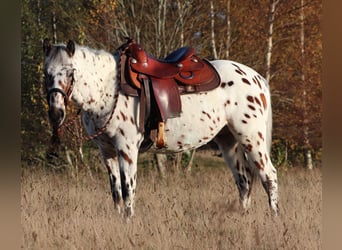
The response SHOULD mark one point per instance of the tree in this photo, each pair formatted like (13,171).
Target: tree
(305,111)
(271,17)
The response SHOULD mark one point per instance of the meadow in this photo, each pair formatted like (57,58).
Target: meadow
(69,209)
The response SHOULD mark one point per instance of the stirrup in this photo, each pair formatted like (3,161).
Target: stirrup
(161,143)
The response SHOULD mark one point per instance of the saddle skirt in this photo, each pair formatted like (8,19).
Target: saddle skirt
(160,82)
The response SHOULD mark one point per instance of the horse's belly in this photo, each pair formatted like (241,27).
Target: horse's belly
(197,125)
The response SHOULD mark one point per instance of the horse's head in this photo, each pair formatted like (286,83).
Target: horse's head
(59,79)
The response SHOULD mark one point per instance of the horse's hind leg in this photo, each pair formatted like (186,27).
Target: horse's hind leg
(254,142)
(236,160)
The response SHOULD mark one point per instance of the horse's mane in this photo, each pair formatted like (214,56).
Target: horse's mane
(58,48)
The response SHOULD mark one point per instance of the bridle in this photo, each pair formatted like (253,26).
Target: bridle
(66,95)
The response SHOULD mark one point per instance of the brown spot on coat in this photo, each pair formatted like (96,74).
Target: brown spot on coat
(257,164)
(261,136)
(250,99)
(257,101)
(251,107)
(121,132)
(92,100)
(263,99)
(262,163)
(203,112)
(124,117)
(246,81)
(238,71)
(125,157)
(227,103)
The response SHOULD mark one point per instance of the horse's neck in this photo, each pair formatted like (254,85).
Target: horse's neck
(95,80)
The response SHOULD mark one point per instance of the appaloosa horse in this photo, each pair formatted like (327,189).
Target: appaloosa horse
(237,115)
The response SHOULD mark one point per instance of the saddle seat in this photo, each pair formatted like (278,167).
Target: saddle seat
(160,82)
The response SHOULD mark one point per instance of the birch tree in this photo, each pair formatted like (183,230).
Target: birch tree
(307,146)
(271,17)
(229,29)
(212,26)
(180,8)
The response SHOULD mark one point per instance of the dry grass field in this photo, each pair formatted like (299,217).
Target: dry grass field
(200,210)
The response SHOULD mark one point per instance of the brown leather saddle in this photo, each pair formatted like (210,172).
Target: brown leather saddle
(159,84)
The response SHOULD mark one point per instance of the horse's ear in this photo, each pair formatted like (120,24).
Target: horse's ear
(46,46)
(70,48)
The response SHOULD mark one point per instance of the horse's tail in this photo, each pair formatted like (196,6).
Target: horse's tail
(269,121)
(269,126)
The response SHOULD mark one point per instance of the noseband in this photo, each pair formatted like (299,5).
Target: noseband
(66,94)
(53,90)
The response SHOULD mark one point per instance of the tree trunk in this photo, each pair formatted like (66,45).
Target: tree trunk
(160,34)
(189,165)
(181,23)
(307,151)
(161,160)
(212,22)
(54,25)
(178,161)
(271,16)
(229,32)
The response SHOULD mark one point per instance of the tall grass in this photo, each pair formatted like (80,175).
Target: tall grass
(195,211)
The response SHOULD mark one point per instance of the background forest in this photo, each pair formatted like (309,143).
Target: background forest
(282,40)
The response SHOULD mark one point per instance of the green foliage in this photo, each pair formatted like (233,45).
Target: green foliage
(285,154)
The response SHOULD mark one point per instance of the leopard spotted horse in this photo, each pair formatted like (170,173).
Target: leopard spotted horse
(236,115)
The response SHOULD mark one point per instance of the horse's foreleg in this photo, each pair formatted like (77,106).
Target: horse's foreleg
(114,181)
(236,161)
(128,174)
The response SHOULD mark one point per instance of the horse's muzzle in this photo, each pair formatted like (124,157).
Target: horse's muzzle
(56,116)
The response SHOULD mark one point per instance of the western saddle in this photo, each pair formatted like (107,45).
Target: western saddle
(159,83)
